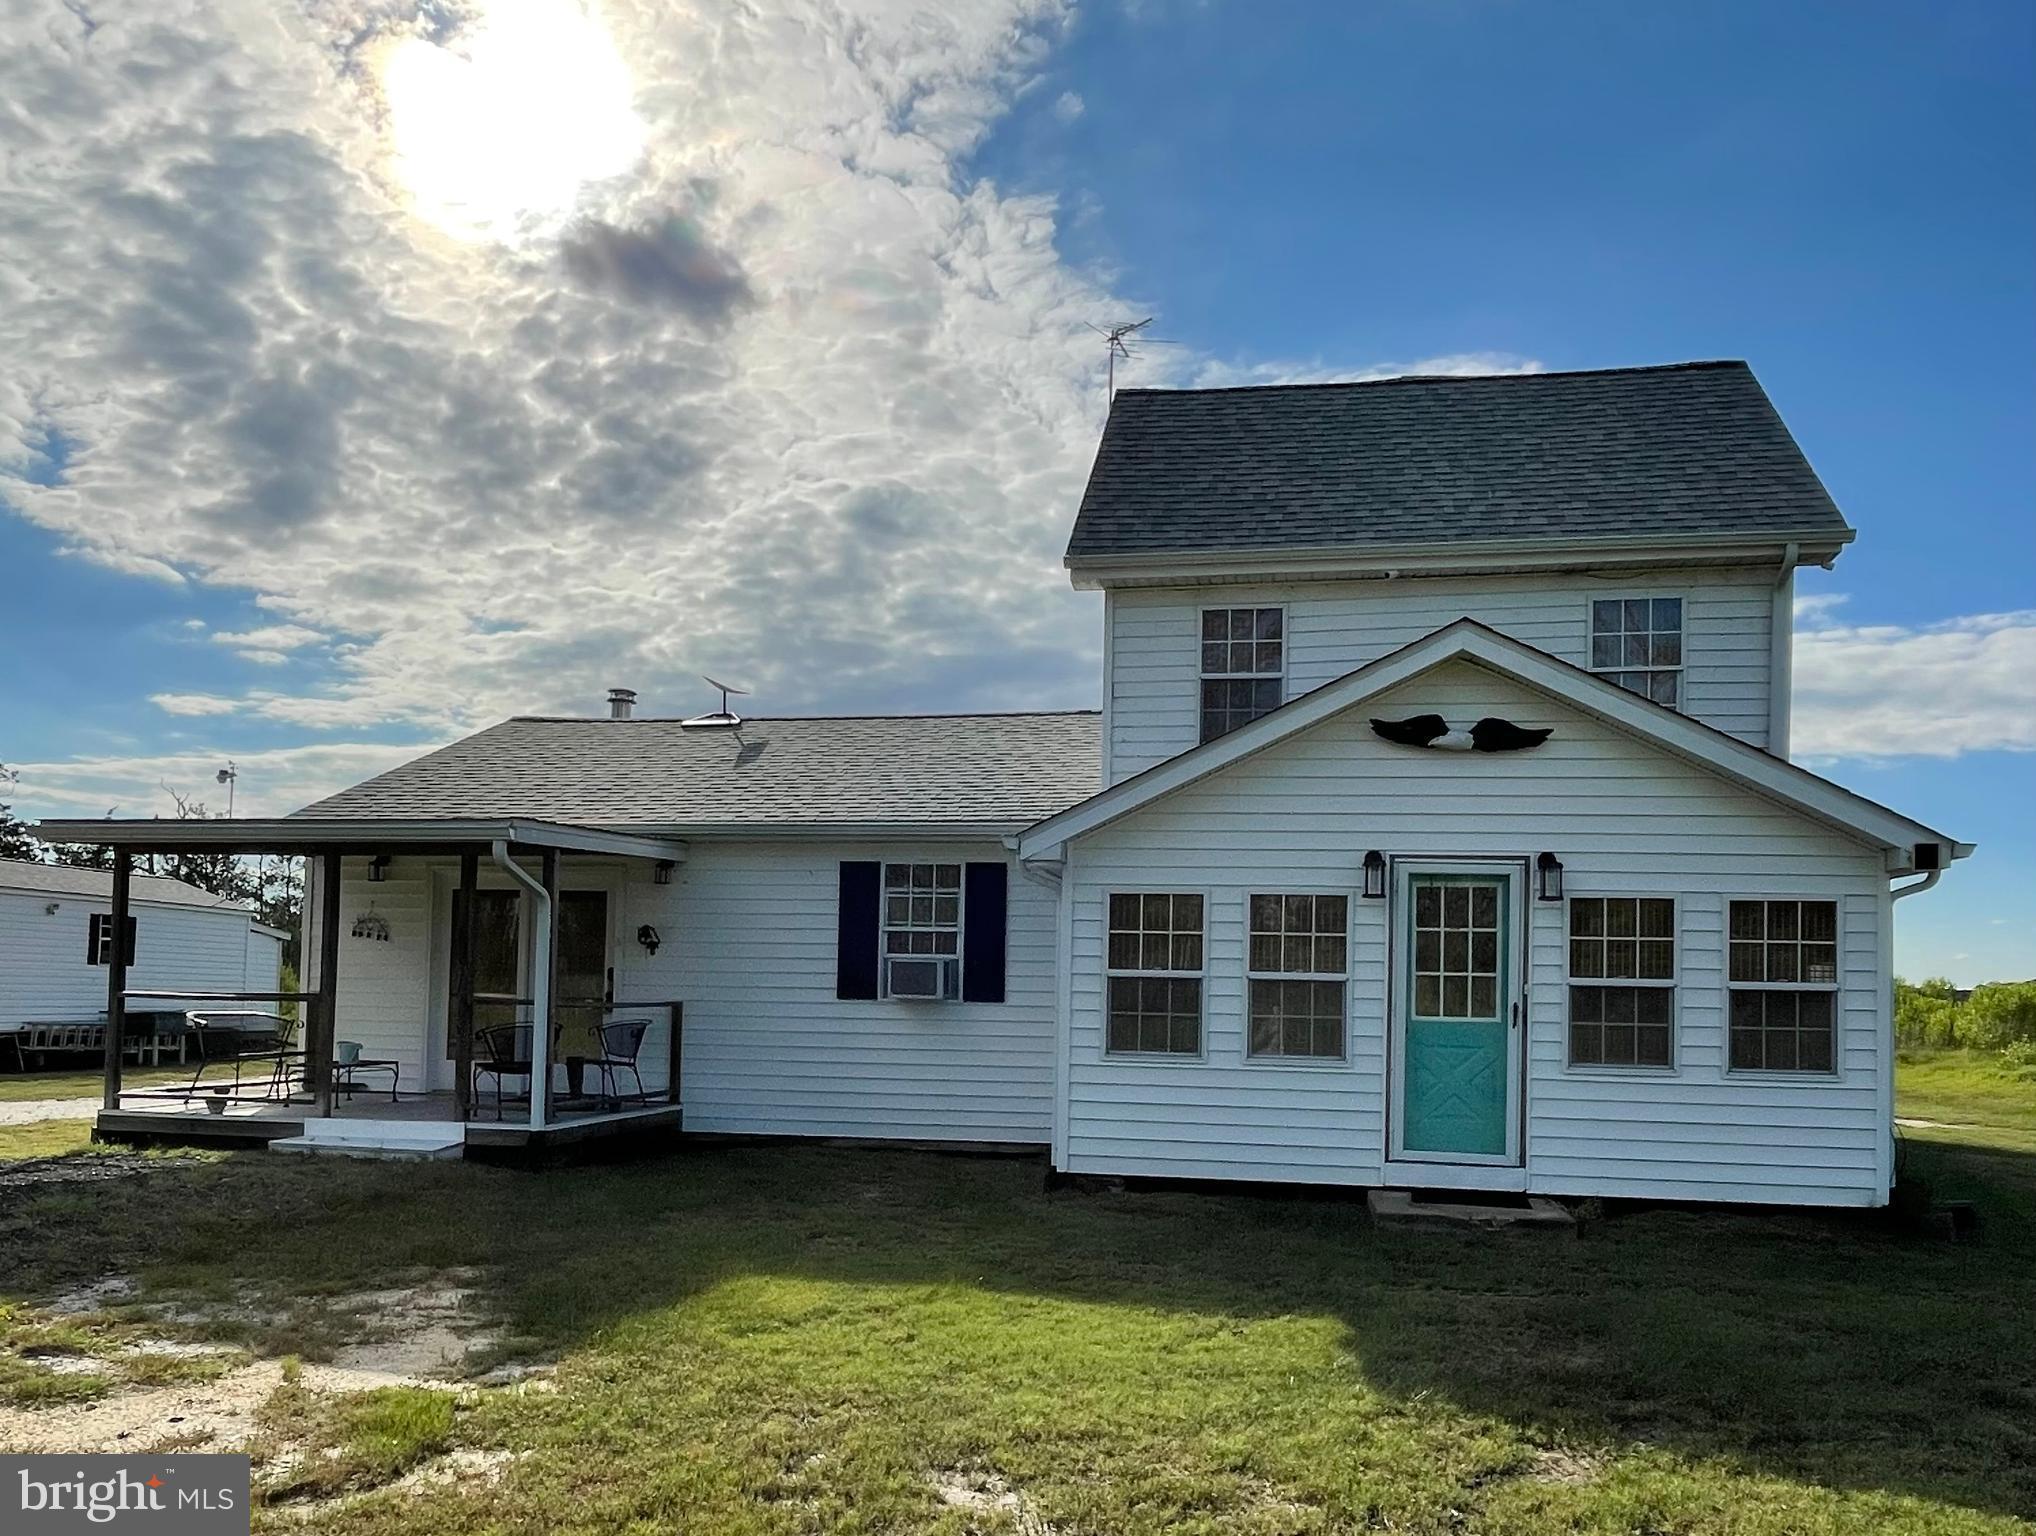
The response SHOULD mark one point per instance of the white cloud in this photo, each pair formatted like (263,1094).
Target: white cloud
(193,703)
(271,783)
(788,398)
(1936,690)
(273,637)
(1068,106)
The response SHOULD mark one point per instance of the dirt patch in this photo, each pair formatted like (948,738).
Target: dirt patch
(1560,1464)
(417,1334)
(34,1111)
(986,1491)
(72,1168)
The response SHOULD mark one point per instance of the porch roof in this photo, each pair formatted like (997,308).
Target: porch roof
(365,834)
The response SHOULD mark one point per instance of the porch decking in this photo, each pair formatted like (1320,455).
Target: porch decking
(158,1119)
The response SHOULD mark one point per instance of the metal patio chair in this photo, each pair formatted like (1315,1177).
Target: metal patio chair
(621,1043)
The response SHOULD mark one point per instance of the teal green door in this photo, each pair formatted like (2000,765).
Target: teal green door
(1456,1055)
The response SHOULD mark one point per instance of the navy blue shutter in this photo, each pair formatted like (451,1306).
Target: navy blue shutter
(985,892)
(93,929)
(855,941)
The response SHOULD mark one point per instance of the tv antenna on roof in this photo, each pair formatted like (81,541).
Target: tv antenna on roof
(1118,340)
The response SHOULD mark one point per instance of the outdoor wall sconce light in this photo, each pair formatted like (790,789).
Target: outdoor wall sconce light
(1548,877)
(378,869)
(1374,875)
(51,908)
(647,937)
(661,872)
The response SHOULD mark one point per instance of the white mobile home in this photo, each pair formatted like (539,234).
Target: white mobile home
(1437,831)
(56,944)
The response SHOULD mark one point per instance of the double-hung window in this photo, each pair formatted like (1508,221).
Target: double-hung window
(922,930)
(1782,976)
(1621,981)
(1244,666)
(1154,982)
(1296,964)
(1637,642)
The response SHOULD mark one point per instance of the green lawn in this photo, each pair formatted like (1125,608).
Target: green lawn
(85,1083)
(800,1339)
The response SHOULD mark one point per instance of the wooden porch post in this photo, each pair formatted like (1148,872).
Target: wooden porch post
(116,976)
(325,1016)
(546,995)
(461,1014)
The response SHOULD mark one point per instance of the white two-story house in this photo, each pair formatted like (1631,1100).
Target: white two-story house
(1437,831)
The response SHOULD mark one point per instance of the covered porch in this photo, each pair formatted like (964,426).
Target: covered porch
(505,1015)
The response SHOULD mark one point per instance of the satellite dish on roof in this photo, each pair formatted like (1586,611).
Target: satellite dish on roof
(722,716)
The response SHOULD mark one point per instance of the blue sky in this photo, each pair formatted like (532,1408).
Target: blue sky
(1837,193)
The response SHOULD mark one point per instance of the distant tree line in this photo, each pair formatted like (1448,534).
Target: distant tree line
(2000,1016)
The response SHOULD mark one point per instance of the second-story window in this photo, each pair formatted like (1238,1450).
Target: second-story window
(1244,666)
(1637,642)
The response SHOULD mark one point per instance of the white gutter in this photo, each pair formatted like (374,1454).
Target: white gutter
(1915,887)
(540,986)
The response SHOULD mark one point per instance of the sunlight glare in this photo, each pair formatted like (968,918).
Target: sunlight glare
(496,133)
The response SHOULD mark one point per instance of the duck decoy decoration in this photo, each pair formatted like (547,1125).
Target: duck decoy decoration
(1490,734)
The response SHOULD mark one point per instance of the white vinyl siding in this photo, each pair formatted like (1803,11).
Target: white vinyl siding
(44,973)
(1623,817)
(748,944)
(1153,641)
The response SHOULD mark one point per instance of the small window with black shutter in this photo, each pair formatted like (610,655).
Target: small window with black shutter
(99,939)
(922,931)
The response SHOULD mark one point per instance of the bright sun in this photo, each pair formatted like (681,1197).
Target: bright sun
(496,134)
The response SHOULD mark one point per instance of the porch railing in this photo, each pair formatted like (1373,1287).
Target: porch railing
(668,1012)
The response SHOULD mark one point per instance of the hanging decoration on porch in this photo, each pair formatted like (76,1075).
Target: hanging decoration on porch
(1490,734)
(371,925)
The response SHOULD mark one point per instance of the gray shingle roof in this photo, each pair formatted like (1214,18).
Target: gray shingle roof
(1693,448)
(97,885)
(927,770)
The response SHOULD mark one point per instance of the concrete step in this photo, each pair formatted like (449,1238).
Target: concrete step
(1400,1208)
(413,1151)
(384,1138)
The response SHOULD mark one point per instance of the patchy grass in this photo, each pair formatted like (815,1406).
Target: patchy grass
(754,1341)
(1975,1097)
(86,1082)
(353,1443)
(44,1138)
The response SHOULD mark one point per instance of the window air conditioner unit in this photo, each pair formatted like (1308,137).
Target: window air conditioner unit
(917,978)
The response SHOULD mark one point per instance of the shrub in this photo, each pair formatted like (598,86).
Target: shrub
(1999,1016)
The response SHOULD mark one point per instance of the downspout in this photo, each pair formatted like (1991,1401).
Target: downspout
(540,985)
(1781,654)
(1915,887)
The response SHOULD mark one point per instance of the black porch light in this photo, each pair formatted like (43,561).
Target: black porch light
(661,872)
(378,869)
(1374,875)
(1548,877)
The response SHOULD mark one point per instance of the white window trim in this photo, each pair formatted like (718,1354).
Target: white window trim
(1635,594)
(1674,985)
(1202,676)
(884,928)
(1158,1058)
(1836,988)
(1277,1060)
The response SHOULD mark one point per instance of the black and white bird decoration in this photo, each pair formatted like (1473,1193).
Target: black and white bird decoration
(1490,734)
